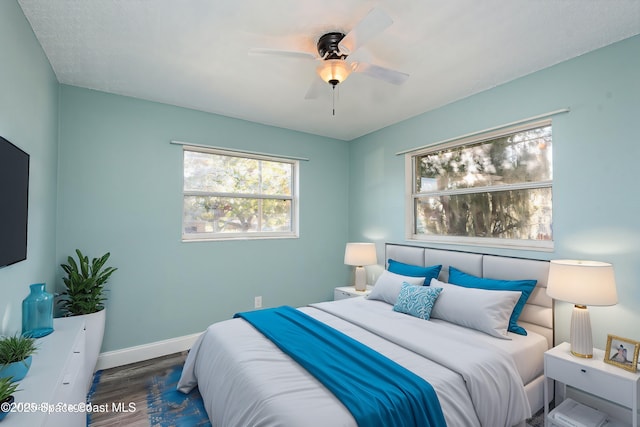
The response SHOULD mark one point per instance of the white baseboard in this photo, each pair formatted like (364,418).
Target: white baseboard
(125,356)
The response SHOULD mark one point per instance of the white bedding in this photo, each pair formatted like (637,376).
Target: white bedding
(526,351)
(246,381)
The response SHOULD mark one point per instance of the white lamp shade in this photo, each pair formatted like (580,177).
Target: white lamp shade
(360,254)
(582,282)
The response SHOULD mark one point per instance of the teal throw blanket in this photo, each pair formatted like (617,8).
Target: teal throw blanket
(377,391)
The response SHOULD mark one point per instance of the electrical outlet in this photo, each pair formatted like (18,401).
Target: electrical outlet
(257,302)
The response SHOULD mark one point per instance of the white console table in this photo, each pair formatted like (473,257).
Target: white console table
(56,381)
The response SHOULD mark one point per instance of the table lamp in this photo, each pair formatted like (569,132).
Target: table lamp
(359,255)
(582,283)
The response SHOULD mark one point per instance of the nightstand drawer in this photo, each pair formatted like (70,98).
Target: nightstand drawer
(338,294)
(592,380)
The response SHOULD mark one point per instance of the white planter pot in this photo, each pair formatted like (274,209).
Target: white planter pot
(94,328)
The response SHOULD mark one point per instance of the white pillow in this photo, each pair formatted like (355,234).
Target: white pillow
(481,309)
(388,285)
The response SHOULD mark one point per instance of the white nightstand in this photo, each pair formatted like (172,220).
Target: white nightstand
(349,292)
(591,376)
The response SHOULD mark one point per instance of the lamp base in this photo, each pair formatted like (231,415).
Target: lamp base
(581,337)
(361,279)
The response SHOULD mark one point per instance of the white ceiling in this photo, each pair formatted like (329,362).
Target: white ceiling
(194,53)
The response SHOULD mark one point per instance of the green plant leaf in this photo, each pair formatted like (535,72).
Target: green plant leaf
(7,388)
(16,349)
(84,284)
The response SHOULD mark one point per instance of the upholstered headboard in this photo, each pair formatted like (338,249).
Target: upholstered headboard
(537,314)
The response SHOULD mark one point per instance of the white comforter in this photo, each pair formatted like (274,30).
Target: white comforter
(246,381)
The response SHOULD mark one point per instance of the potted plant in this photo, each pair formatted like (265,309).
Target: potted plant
(7,388)
(84,284)
(84,295)
(15,356)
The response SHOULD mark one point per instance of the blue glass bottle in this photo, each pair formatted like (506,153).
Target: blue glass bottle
(37,312)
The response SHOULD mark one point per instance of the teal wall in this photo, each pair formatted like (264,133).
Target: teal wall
(28,118)
(596,157)
(120,190)
(104,177)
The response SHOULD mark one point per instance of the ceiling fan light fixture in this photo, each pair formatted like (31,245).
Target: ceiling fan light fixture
(334,71)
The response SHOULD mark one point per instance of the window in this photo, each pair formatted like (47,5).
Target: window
(491,190)
(235,195)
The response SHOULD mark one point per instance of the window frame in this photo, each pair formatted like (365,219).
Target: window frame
(257,235)
(411,194)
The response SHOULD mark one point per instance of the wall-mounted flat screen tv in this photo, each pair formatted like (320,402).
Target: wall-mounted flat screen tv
(14,201)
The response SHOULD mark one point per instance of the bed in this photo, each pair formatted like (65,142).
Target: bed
(480,377)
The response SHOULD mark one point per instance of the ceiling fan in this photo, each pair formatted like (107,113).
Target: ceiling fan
(335,47)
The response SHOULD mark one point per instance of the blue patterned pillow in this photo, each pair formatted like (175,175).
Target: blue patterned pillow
(416,300)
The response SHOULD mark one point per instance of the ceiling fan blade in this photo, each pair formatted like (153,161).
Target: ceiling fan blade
(281,53)
(371,25)
(315,89)
(375,71)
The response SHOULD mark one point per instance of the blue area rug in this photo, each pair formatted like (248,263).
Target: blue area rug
(164,406)
(167,407)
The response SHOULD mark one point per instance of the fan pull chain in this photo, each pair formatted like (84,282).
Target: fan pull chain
(333,99)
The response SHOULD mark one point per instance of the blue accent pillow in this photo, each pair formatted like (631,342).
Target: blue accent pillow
(459,278)
(416,300)
(403,269)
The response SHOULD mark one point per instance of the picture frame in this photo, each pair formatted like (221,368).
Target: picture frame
(622,352)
